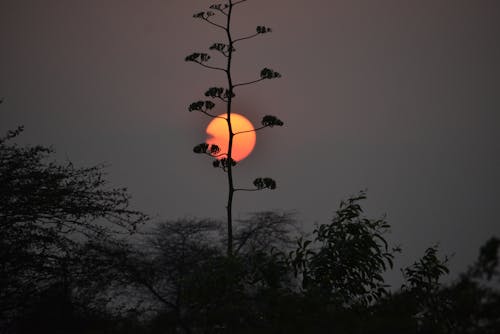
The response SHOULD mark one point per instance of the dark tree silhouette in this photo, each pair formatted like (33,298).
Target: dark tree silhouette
(181,269)
(226,95)
(423,285)
(66,267)
(345,261)
(47,211)
(264,232)
(486,266)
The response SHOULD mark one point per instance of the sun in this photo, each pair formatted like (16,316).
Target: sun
(243,143)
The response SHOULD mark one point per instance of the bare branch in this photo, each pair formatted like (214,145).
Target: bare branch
(210,67)
(246,37)
(247,83)
(220,10)
(224,54)
(157,294)
(220,7)
(254,130)
(216,155)
(238,2)
(222,99)
(210,115)
(245,189)
(213,23)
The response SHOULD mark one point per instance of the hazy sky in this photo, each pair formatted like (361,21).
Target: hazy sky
(399,97)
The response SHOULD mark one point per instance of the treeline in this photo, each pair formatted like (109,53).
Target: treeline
(74,258)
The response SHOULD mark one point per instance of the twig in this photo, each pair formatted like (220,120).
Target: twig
(247,83)
(254,130)
(220,10)
(247,37)
(208,66)
(238,2)
(246,189)
(210,115)
(214,24)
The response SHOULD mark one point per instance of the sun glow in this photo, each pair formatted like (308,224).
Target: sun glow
(243,142)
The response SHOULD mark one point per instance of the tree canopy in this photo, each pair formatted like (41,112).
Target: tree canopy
(47,212)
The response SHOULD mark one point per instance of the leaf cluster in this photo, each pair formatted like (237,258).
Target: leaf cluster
(222,48)
(264,183)
(205,148)
(268,73)
(219,92)
(201,106)
(271,121)
(263,29)
(425,274)
(203,15)
(198,57)
(224,163)
(219,6)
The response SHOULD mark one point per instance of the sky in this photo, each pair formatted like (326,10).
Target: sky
(397,97)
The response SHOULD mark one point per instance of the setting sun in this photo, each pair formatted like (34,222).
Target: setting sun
(243,143)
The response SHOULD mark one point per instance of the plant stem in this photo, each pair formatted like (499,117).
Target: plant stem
(229,206)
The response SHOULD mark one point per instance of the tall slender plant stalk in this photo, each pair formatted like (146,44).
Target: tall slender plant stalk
(229,206)
(226,95)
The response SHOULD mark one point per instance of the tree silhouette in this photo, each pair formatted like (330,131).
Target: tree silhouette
(423,285)
(64,267)
(226,95)
(345,261)
(47,210)
(63,270)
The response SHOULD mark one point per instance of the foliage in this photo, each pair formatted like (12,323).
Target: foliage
(423,285)
(67,268)
(345,261)
(487,264)
(279,281)
(47,211)
(266,231)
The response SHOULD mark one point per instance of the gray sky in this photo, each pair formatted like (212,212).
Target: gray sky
(398,97)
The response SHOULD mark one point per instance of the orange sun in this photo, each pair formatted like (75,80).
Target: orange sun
(243,143)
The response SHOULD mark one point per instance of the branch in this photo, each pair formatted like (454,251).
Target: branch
(259,31)
(247,37)
(219,9)
(254,130)
(246,189)
(208,66)
(238,2)
(210,115)
(213,23)
(260,184)
(222,99)
(216,155)
(248,83)
(223,12)
(265,74)
(223,53)
(157,294)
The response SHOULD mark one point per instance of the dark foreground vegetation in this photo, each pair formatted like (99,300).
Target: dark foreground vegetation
(75,259)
